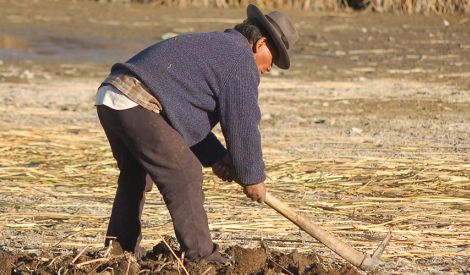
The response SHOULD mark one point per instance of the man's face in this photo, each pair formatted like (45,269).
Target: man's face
(264,55)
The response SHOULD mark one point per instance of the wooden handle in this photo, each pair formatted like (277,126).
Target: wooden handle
(339,247)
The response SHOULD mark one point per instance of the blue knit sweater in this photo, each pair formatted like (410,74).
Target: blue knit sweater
(202,79)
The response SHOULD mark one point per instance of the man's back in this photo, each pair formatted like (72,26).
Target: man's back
(190,72)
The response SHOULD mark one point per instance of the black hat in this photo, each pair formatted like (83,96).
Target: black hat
(281,30)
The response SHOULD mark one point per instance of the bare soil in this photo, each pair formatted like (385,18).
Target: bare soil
(368,132)
(161,261)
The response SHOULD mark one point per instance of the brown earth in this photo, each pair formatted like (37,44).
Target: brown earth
(161,261)
(368,132)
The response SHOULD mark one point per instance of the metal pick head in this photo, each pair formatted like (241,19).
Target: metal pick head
(371,262)
(380,249)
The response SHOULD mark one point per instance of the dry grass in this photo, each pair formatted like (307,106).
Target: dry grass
(60,182)
(403,6)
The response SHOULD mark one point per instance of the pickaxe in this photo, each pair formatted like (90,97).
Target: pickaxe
(347,252)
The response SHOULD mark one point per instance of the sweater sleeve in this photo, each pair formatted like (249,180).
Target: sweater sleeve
(240,116)
(209,150)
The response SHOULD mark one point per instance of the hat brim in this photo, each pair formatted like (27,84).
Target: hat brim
(282,60)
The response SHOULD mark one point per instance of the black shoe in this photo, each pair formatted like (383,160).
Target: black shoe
(216,257)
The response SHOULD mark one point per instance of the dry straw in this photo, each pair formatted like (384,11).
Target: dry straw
(57,187)
(403,6)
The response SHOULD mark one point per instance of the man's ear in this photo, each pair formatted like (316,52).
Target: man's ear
(260,43)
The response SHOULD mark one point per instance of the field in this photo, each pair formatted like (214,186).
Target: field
(368,132)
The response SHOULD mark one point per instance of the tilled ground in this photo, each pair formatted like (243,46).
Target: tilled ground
(160,260)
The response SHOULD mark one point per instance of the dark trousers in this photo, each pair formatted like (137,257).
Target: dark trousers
(144,143)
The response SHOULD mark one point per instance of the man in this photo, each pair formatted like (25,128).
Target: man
(158,110)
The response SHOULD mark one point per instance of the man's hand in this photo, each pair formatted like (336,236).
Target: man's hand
(223,169)
(256,192)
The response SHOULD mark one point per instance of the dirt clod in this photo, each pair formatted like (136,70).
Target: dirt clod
(160,261)
(6,263)
(247,260)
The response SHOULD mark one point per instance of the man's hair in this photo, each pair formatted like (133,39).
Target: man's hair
(252,30)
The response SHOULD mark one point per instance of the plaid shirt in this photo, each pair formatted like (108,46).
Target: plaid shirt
(135,91)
